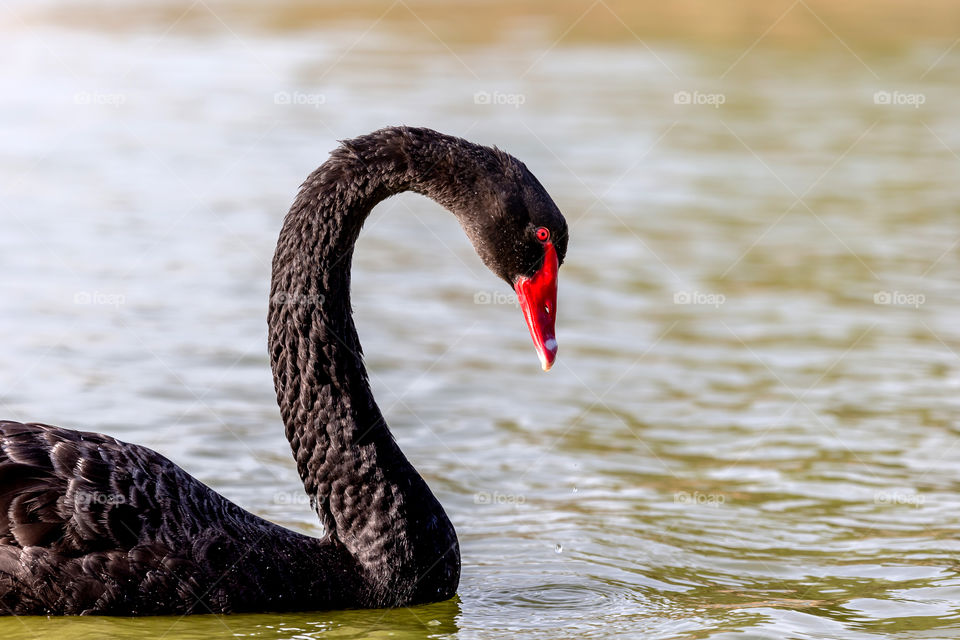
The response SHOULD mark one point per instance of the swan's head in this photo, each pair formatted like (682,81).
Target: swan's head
(521,236)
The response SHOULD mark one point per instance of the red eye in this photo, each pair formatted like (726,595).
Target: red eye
(543,234)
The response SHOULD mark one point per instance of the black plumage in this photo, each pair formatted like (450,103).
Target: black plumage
(93,525)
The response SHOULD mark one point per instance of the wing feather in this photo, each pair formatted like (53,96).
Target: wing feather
(90,524)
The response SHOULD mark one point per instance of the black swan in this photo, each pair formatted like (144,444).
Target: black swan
(92,525)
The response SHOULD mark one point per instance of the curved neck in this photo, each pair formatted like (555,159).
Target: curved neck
(369,498)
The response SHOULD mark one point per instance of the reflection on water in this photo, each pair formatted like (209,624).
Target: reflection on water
(429,621)
(751,429)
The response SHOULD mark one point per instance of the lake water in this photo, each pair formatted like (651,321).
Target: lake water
(752,427)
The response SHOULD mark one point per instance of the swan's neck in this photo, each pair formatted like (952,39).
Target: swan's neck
(369,497)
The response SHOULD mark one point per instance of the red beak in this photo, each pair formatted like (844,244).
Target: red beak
(538,299)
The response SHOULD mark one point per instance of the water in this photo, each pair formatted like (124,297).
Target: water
(751,429)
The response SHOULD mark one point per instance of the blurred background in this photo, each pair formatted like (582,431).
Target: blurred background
(751,429)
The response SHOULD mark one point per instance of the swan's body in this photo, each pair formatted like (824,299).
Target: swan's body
(89,524)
